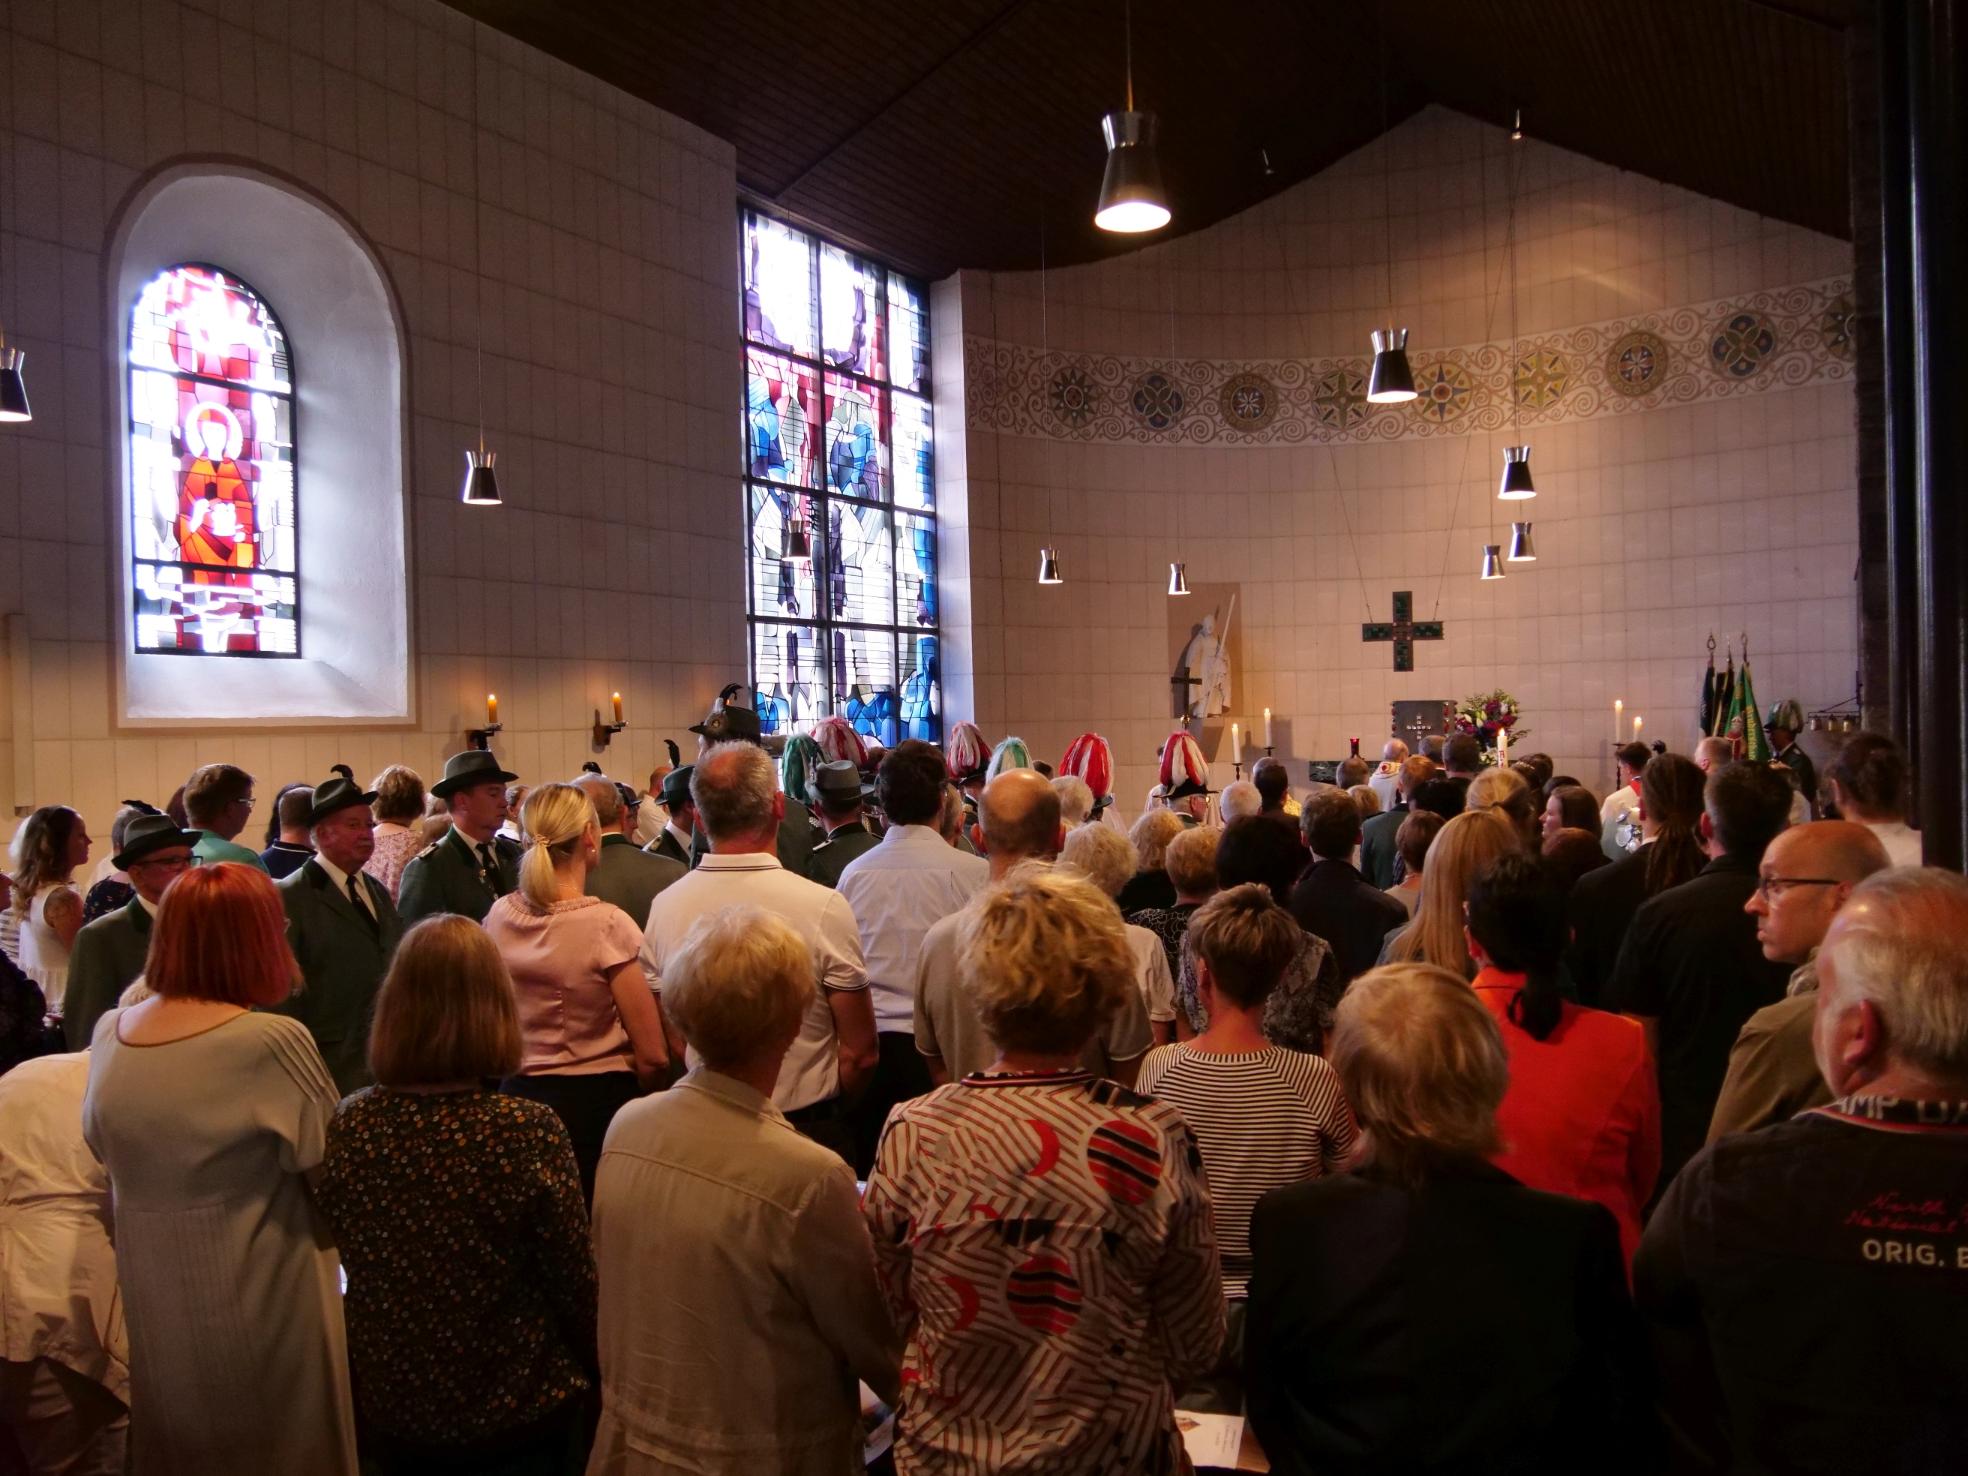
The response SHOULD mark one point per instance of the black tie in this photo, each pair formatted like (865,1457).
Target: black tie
(361,909)
(489,865)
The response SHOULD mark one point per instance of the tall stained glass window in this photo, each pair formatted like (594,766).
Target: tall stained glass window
(840,507)
(213,535)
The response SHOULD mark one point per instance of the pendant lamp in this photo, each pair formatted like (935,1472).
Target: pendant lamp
(1522,551)
(1131,196)
(1049,567)
(13,387)
(1178,579)
(1516,484)
(1492,566)
(481,482)
(1392,381)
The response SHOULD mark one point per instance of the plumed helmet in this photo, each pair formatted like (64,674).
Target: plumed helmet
(1786,715)
(1010,754)
(797,767)
(1184,769)
(839,743)
(966,754)
(1090,758)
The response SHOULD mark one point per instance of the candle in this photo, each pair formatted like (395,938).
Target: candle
(1636,727)
(1236,745)
(1267,727)
(491,709)
(1618,708)
(1503,748)
(618,707)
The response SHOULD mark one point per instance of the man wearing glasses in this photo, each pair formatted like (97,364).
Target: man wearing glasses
(218,801)
(109,952)
(1806,875)
(1691,967)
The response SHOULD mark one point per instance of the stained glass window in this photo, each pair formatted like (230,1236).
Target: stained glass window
(840,496)
(214,540)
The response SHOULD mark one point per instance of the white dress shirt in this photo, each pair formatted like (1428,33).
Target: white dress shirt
(1901,840)
(1151,972)
(899,890)
(341,880)
(651,817)
(820,915)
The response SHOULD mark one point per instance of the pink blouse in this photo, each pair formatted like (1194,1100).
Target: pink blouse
(560,961)
(395,845)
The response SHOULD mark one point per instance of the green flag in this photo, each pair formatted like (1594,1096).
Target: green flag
(1756,743)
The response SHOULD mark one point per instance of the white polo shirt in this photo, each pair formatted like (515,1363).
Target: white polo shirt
(899,890)
(811,1072)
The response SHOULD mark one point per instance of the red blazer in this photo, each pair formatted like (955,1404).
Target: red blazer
(1582,1116)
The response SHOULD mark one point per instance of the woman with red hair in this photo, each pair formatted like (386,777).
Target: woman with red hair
(208,1115)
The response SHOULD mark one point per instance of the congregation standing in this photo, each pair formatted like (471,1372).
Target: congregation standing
(1445,1118)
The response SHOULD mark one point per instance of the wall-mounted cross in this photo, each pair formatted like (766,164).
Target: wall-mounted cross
(1404,630)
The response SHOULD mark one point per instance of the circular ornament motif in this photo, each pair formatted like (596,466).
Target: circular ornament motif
(1541,379)
(1248,402)
(1339,399)
(1044,1294)
(1636,363)
(1741,345)
(1157,401)
(1074,397)
(1125,1160)
(1443,391)
(1840,328)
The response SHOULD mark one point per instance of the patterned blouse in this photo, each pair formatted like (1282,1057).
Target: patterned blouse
(1045,1242)
(395,845)
(471,1282)
(1170,924)
(1300,1010)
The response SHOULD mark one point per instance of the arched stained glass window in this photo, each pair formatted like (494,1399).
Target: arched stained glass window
(839,498)
(213,541)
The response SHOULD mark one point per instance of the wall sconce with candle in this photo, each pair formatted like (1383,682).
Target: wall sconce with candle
(603,732)
(481,738)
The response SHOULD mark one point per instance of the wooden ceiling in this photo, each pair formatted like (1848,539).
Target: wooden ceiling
(936,132)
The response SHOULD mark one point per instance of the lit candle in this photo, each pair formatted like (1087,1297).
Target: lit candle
(1503,748)
(1267,727)
(491,709)
(1618,708)
(618,707)
(1636,727)
(1236,745)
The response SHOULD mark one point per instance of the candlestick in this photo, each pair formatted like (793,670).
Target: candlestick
(617,698)
(491,709)
(1267,730)
(1236,745)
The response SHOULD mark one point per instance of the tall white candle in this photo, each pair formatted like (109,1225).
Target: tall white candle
(1618,708)
(1636,727)
(1236,744)
(1503,748)
(1267,727)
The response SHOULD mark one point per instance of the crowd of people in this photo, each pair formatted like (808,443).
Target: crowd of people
(1445,1118)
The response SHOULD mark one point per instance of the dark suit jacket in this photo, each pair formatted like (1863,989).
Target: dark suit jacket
(665,845)
(444,877)
(1377,853)
(343,961)
(1469,1325)
(630,877)
(1691,961)
(108,954)
(831,856)
(1600,911)
(1333,901)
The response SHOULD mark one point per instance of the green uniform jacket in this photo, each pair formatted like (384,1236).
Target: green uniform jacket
(831,856)
(444,877)
(798,834)
(665,845)
(108,954)
(343,961)
(630,877)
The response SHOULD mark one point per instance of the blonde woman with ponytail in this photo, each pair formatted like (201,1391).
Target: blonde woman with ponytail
(591,1033)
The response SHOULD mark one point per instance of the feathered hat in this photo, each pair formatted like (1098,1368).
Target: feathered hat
(1184,769)
(839,743)
(797,767)
(1010,754)
(966,754)
(1090,758)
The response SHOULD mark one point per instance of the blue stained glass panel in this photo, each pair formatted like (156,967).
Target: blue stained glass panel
(915,561)
(852,330)
(782,406)
(908,335)
(921,695)
(789,675)
(913,454)
(860,564)
(784,549)
(864,671)
(856,449)
(779,306)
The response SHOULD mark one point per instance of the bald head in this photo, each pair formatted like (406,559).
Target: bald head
(1021,817)
(1393,751)
(1712,753)
(1807,872)
(607,799)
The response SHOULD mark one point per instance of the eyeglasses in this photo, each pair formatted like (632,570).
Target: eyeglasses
(166,863)
(1770,888)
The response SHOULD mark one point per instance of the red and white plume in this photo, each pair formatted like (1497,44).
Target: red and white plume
(966,753)
(838,740)
(1184,769)
(1089,757)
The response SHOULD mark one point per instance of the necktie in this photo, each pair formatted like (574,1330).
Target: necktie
(488,866)
(361,906)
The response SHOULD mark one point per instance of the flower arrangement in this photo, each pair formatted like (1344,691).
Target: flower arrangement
(1489,715)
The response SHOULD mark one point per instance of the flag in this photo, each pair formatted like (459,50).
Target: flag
(1756,743)
(1725,699)
(1708,695)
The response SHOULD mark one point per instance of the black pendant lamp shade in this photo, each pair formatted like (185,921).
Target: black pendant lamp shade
(481,482)
(1178,579)
(13,387)
(1516,485)
(1522,551)
(1392,380)
(1131,196)
(1049,567)
(1492,566)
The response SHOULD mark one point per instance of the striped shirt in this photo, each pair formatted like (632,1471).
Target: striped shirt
(1262,1119)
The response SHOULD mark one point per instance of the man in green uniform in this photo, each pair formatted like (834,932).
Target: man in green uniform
(840,792)
(109,952)
(470,867)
